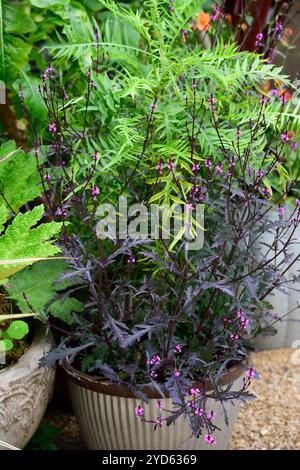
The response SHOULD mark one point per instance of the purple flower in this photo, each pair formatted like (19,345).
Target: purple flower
(219,168)
(250,374)
(47,177)
(153,107)
(154,361)
(177,373)
(294,146)
(259,173)
(281,211)
(195,167)
(278,28)
(49,69)
(209,439)
(211,416)
(95,156)
(212,103)
(195,391)
(259,37)
(153,374)
(283,98)
(234,336)
(274,92)
(52,128)
(238,132)
(139,411)
(284,137)
(298,202)
(263,100)
(92,84)
(62,212)
(208,163)
(194,84)
(131,260)
(266,191)
(62,163)
(95,192)
(88,74)
(232,163)
(199,411)
(159,405)
(178,348)
(171,165)
(159,168)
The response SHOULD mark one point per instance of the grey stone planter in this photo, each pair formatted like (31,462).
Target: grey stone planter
(25,390)
(105,414)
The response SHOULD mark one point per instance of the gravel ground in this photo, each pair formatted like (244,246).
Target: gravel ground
(273,420)
(270,422)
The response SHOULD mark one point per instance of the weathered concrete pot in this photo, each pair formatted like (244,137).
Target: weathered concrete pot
(288,330)
(25,391)
(105,413)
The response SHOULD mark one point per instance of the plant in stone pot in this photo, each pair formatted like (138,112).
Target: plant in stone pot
(160,177)
(25,388)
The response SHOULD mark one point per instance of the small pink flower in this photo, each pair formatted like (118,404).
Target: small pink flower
(259,173)
(153,107)
(199,411)
(274,92)
(281,211)
(283,98)
(153,374)
(49,69)
(47,177)
(177,373)
(171,165)
(195,168)
(212,103)
(88,74)
(139,411)
(284,137)
(266,190)
(209,439)
(159,168)
(263,100)
(232,163)
(250,373)
(234,336)
(294,146)
(52,128)
(95,156)
(131,260)
(195,391)
(219,169)
(178,348)
(208,163)
(240,314)
(159,422)
(238,133)
(298,202)
(211,416)
(159,405)
(95,192)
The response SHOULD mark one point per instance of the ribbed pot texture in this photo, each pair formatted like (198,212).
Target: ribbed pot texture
(288,330)
(107,420)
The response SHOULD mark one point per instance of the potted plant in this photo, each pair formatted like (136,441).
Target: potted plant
(156,314)
(25,387)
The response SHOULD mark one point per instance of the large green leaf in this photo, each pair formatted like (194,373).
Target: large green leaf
(48,3)
(22,240)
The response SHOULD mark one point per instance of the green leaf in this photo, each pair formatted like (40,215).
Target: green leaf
(36,282)
(48,3)
(19,179)
(6,345)
(63,310)
(16,19)
(17,329)
(20,240)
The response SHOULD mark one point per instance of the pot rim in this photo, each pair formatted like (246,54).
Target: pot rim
(106,387)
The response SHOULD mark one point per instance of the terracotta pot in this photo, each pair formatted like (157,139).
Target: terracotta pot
(25,391)
(105,413)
